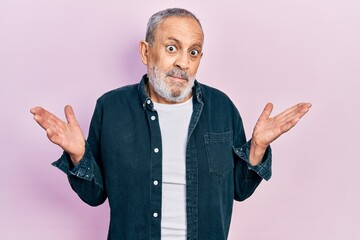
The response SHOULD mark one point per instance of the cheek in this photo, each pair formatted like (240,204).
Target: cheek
(165,62)
(194,67)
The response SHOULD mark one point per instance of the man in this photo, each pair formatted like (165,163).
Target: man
(169,153)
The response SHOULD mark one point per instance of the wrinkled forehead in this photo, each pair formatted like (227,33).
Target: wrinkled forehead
(186,28)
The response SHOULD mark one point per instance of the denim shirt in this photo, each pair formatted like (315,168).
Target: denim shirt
(123,163)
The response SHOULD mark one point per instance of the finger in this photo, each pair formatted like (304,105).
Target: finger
(285,113)
(296,109)
(33,110)
(288,125)
(59,125)
(266,112)
(299,112)
(46,119)
(41,117)
(37,110)
(294,119)
(53,135)
(70,115)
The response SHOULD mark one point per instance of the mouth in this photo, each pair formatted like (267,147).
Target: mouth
(177,78)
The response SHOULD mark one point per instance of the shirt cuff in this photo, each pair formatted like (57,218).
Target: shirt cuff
(84,169)
(264,168)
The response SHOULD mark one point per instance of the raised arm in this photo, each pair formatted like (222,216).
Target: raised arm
(85,176)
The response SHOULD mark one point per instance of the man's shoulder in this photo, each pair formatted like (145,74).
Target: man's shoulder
(218,103)
(214,94)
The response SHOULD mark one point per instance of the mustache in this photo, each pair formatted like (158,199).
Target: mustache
(176,72)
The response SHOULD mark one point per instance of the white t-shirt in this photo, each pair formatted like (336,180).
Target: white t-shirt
(174,120)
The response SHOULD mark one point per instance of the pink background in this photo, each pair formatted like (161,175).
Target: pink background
(56,52)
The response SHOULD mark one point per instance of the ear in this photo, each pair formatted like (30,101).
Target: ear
(144,52)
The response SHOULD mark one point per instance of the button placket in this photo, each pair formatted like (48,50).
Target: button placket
(156,168)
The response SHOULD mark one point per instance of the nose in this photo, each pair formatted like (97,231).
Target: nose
(182,61)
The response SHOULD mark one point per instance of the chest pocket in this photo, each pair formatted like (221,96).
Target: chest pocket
(219,152)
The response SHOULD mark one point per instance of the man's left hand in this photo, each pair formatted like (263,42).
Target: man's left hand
(268,129)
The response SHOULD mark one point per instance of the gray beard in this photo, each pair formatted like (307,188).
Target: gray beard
(172,92)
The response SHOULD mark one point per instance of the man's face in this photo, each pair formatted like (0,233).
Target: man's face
(173,60)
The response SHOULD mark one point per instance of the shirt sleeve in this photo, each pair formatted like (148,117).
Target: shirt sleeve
(264,168)
(84,169)
(86,177)
(247,177)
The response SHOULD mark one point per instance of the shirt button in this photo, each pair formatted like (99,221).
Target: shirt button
(153,118)
(156,150)
(155,215)
(148,101)
(156,182)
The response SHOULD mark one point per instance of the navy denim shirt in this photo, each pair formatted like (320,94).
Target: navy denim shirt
(123,163)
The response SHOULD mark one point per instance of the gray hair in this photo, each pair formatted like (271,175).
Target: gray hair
(160,16)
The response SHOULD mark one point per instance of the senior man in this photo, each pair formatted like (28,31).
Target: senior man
(169,153)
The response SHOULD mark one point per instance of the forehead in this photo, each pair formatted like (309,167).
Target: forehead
(185,29)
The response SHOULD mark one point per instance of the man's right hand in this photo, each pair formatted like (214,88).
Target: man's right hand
(68,136)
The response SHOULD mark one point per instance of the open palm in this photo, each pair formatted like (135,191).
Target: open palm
(267,128)
(68,135)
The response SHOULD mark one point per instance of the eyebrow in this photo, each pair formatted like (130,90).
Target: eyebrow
(178,42)
(173,39)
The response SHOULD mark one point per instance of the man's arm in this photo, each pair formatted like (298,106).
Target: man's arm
(253,159)
(78,160)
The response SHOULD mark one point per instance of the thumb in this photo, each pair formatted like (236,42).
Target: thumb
(70,115)
(266,112)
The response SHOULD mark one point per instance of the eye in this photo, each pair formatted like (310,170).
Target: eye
(171,48)
(194,53)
